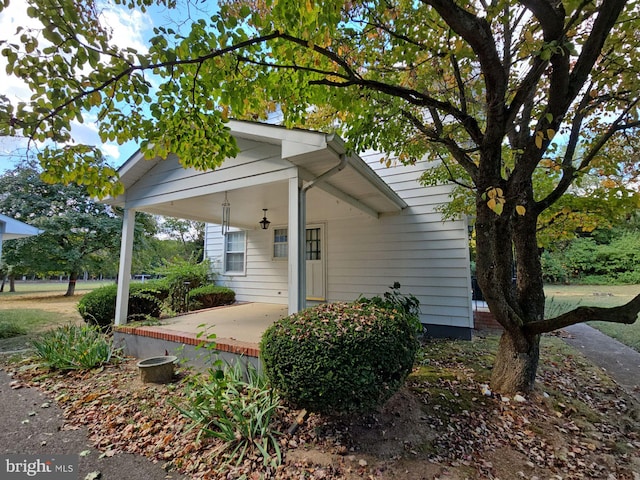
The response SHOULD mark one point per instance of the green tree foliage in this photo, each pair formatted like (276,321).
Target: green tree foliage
(521,102)
(79,234)
(182,276)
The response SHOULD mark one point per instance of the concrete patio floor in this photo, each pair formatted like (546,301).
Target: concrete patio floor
(238,329)
(242,321)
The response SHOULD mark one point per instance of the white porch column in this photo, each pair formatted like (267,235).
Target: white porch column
(296,261)
(124,270)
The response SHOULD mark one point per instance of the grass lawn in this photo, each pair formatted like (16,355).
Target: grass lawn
(561,298)
(36,307)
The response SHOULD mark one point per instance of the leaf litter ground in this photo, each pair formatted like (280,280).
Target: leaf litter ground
(443,424)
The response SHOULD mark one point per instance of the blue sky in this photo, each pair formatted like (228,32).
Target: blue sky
(130,29)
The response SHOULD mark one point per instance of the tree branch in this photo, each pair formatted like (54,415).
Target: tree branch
(133,68)
(568,168)
(477,33)
(461,93)
(626,314)
(591,49)
(458,153)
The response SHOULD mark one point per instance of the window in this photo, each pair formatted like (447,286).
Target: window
(312,244)
(234,252)
(280,243)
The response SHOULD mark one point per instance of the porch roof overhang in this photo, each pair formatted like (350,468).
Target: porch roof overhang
(11,229)
(310,153)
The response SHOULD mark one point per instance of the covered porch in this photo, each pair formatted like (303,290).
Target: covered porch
(299,177)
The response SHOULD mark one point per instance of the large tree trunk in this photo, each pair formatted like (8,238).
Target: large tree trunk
(71,288)
(12,283)
(516,363)
(506,247)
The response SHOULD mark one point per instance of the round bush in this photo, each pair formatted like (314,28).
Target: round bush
(98,307)
(340,357)
(209,296)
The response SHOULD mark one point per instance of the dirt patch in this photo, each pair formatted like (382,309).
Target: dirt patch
(54,302)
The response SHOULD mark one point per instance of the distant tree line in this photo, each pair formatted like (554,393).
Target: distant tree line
(81,237)
(601,257)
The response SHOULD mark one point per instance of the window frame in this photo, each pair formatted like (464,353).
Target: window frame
(228,272)
(274,243)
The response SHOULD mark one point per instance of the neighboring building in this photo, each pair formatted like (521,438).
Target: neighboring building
(340,226)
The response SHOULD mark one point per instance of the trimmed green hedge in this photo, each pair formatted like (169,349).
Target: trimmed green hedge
(341,357)
(98,307)
(209,296)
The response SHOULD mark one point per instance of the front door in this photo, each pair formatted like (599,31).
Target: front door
(315,255)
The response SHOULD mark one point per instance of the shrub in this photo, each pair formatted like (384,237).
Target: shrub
(209,296)
(73,348)
(341,357)
(182,276)
(98,307)
(237,410)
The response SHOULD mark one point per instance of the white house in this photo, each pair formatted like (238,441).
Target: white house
(340,226)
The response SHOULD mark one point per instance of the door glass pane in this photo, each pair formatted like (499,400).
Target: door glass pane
(312,244)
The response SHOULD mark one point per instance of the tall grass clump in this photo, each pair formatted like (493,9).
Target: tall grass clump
(73,347)
(11,329)
(238,407)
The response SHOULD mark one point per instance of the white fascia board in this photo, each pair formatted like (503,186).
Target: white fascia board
(202,190)
(335,143)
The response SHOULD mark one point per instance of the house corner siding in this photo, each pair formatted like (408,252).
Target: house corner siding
(429,257)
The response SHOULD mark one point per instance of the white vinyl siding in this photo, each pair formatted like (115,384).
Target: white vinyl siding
(265,278)
(428,256)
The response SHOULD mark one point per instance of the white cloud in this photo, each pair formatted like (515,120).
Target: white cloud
(129,29)
(111,150)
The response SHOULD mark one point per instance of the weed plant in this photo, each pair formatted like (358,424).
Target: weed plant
(73,347)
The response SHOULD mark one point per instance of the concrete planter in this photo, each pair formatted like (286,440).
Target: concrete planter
(157,369)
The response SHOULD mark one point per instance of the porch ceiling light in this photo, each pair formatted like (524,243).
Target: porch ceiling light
(264,223)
